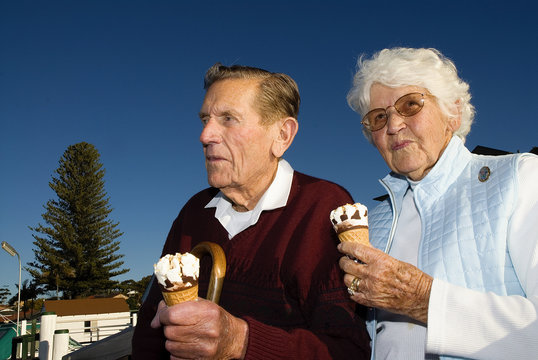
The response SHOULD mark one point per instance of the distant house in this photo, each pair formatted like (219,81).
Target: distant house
(6,312)
(90,320)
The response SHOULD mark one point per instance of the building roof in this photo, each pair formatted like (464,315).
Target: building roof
(484,150)
(117,346)
(86,306)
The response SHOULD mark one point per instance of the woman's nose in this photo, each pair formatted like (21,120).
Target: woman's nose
(395,121)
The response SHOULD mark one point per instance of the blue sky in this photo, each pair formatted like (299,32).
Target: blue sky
(127,77)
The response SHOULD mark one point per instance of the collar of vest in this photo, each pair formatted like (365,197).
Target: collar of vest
(447,169)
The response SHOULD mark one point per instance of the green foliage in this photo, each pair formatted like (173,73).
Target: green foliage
(4,293)
(76,249)
(135,290)
(29,294)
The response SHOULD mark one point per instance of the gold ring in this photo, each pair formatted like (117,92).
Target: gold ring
(355,284)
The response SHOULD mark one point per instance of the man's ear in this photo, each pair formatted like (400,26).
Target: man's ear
(285,133)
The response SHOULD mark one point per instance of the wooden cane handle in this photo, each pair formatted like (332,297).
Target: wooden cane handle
(218,270)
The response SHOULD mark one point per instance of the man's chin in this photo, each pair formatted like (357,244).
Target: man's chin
(217,183)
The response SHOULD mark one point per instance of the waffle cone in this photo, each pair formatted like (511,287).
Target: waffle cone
(176,297)
(359,235)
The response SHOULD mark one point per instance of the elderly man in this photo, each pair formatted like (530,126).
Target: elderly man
(283,296)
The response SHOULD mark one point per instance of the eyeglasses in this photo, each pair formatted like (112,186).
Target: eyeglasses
(407,105)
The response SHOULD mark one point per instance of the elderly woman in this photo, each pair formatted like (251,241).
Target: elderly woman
(453,270)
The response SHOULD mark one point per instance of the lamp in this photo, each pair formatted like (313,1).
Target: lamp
(11,251)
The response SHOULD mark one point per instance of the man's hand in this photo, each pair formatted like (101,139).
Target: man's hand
(201,330)
(386,283)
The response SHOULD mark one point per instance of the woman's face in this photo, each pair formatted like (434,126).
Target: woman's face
(411,145)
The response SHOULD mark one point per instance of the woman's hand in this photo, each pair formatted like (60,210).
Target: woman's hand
(384,282)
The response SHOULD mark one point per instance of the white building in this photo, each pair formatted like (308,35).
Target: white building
(90,320)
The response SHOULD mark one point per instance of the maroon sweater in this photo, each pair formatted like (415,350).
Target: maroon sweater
(282,278)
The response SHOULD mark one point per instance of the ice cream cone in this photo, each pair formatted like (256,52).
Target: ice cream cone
(357,235)
(177,276)
(350,221)
(176,297)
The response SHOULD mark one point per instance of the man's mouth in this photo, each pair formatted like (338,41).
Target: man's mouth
(214,158)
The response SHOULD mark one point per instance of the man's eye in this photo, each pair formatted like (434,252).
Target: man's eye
(228,119)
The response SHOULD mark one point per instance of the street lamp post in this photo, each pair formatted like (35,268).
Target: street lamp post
(11,251)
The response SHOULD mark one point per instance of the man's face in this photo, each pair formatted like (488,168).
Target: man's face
(237,147)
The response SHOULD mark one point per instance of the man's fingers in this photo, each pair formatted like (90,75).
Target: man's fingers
(156,322)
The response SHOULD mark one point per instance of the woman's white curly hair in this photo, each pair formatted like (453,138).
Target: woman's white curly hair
(426,68)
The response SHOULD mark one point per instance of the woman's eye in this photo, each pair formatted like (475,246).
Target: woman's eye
(380,117)
(410,106)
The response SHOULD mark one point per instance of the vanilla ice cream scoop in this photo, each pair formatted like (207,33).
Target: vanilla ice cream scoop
(350,221)
(177,272)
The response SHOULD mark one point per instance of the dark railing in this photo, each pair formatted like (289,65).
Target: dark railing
(28,344)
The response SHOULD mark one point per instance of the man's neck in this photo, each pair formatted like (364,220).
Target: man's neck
(245,199)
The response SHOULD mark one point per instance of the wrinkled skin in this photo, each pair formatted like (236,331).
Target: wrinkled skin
(385,282)
(201,330)
(411,145)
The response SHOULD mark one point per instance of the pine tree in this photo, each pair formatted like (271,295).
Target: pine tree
(76,250)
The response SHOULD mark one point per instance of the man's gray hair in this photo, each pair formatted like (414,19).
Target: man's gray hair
(278,94)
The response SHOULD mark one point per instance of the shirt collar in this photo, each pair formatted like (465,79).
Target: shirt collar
(276,196)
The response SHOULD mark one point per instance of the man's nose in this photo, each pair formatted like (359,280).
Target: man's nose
(210,133)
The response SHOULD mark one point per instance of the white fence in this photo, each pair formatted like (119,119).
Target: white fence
(86,329)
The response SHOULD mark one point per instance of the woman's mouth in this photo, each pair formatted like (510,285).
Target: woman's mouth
(400,145)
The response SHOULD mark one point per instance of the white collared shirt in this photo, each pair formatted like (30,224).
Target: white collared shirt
(275,197)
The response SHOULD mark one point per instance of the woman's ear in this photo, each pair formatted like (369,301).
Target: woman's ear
(286,130)
(455,122)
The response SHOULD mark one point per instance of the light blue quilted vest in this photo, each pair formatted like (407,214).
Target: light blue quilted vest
(465,204)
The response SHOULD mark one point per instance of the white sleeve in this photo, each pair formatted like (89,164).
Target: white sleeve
(467,323)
